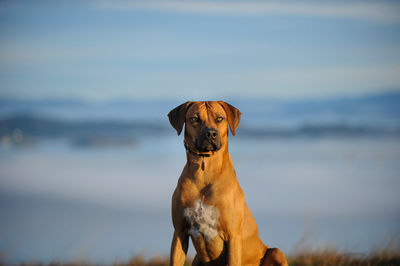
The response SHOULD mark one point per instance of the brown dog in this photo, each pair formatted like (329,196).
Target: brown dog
(208,204)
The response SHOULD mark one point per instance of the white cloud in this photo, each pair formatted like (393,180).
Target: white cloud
(379,11)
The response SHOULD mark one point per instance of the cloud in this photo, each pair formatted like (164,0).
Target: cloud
(283,83)
(109,82)
(380,11)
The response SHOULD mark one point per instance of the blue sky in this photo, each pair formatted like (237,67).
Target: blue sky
(103,50)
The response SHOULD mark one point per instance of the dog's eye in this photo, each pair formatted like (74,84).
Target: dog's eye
(220,119)
(194,119)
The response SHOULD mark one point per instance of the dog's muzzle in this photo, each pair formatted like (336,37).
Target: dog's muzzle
(209,140)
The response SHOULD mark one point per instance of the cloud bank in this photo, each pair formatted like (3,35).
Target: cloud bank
(379,11)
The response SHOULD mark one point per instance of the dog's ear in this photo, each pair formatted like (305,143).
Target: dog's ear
(177,116)
(233,115)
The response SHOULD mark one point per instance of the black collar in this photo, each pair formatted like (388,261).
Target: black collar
(192,152)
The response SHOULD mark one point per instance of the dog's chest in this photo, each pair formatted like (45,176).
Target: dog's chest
(202,220)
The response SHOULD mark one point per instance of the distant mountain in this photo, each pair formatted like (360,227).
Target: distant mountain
(378,110)
(35,126)
(26,129)
(370,108)
(123,122)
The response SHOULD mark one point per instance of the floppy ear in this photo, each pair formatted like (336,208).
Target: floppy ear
(233,115)
(177,116)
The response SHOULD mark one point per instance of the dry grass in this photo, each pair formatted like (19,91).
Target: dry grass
(319,258)
(332,258)
(388,255)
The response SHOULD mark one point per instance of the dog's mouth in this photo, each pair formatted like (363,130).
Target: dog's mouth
(208,145)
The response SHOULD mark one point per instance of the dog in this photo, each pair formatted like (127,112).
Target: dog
(208,204)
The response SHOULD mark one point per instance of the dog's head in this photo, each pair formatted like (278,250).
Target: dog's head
(206,123)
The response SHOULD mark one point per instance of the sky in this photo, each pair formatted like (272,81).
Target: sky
(140,50)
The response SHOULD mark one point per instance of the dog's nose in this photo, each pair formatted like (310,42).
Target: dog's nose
(211,133)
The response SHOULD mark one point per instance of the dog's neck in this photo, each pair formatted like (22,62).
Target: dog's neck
(206,166)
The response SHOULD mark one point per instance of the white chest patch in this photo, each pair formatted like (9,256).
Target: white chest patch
(203,220)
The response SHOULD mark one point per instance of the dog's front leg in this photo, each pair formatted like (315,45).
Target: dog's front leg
(235,250)
(179,248)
